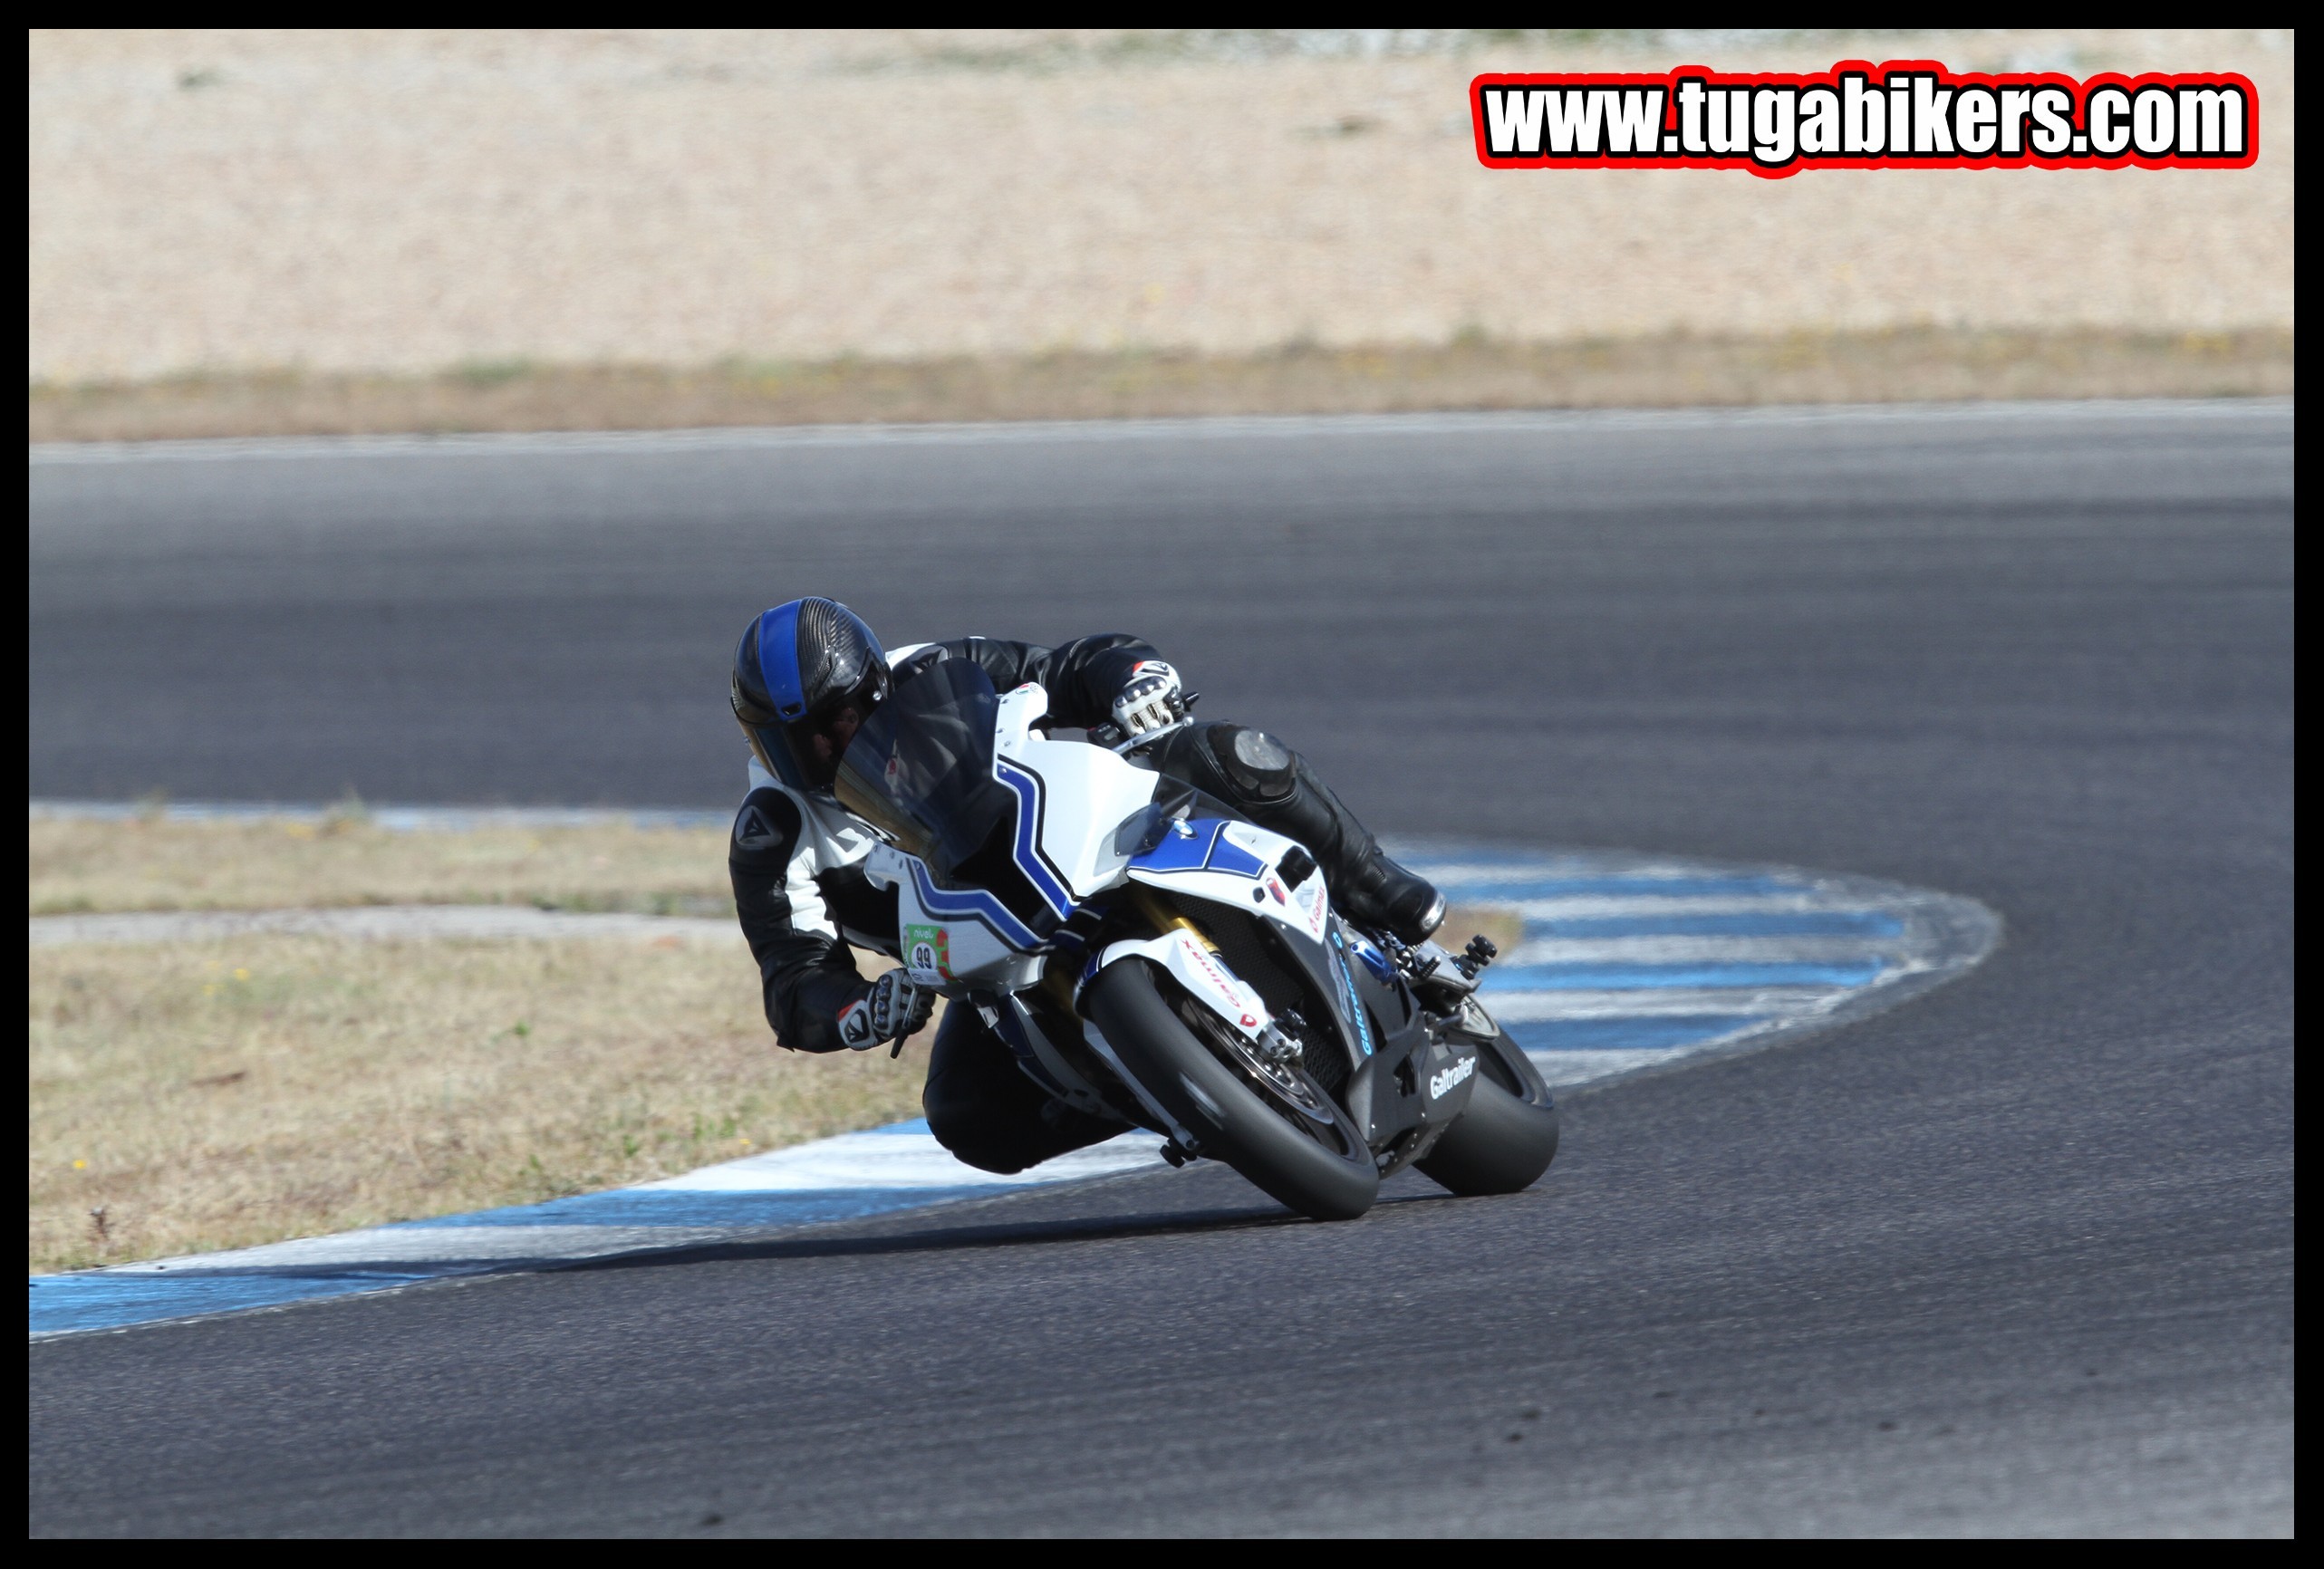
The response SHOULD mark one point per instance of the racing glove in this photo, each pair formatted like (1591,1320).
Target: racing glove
(1150,699)
(892,1009)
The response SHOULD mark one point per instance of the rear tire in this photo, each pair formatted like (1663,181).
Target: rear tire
(1509,1135)
(1326,1173)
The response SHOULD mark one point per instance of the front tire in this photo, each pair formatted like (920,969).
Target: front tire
(1325,1170)
(1509,1135)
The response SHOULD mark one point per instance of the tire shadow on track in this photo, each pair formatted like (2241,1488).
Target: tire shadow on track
(1261,1214)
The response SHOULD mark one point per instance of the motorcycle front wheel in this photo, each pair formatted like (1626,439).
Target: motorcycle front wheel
(1288,1138)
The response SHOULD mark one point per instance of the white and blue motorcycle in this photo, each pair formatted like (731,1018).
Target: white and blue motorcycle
(1153,959)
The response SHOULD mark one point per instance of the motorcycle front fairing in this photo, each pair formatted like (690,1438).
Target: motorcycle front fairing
(1000,837)
(995,835)
(1417,1079)
(973,906)
(1403,1081)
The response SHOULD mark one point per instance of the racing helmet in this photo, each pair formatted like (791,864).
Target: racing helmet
(799,669)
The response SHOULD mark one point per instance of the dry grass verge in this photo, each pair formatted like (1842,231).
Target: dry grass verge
(223,1094)
(81,866)
(1904,365)
(1505,927)
(211,1095)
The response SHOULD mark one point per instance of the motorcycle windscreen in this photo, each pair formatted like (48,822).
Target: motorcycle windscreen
(920,769)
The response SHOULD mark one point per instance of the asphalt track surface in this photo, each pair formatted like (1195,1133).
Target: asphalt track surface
(2016,1256)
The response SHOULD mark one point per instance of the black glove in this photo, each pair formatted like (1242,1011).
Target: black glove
(892,1009)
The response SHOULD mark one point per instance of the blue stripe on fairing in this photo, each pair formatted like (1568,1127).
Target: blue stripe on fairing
(1208,849)
(1742,923)
(779,660)
(1575,977)
(1623,1035)
(1028,853)
(1226,855)
(1182,852)
(973,904)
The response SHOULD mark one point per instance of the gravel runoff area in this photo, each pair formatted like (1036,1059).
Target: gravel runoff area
(406,202)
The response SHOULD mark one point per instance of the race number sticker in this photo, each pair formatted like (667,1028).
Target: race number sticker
(928,954)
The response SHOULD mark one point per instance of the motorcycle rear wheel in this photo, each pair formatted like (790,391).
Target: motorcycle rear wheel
(1508,1136)
(1322,1170)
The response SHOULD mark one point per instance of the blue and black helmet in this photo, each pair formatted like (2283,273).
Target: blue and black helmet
(806,670)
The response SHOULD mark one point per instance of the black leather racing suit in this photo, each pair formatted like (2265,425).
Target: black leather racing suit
(803,898)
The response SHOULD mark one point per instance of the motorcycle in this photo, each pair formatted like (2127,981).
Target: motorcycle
(1151,958)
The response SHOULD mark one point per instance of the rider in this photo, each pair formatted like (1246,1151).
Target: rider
(806,675)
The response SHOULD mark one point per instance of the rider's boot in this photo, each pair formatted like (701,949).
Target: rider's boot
(1274,787)
(1368,886)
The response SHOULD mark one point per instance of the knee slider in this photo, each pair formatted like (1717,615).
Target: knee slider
(951,1116)
(957,1125)
(1258,765)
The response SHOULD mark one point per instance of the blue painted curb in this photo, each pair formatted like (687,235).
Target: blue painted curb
(1628,964)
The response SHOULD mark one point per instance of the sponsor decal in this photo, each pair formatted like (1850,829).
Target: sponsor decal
(1211,972)
(1438,1082)
(1903,114)
(754,834)
(928,953)
(1347,994)
(1236,996)
(974,903)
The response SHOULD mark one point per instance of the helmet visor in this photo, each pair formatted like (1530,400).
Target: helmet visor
(814,744)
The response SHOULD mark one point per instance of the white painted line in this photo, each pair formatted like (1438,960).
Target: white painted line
(1669,1001)
(1471,873)
(448,1246)
(1699,950)
(1807,902)
(906,1156)
(1647,1021)
(1216,428)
